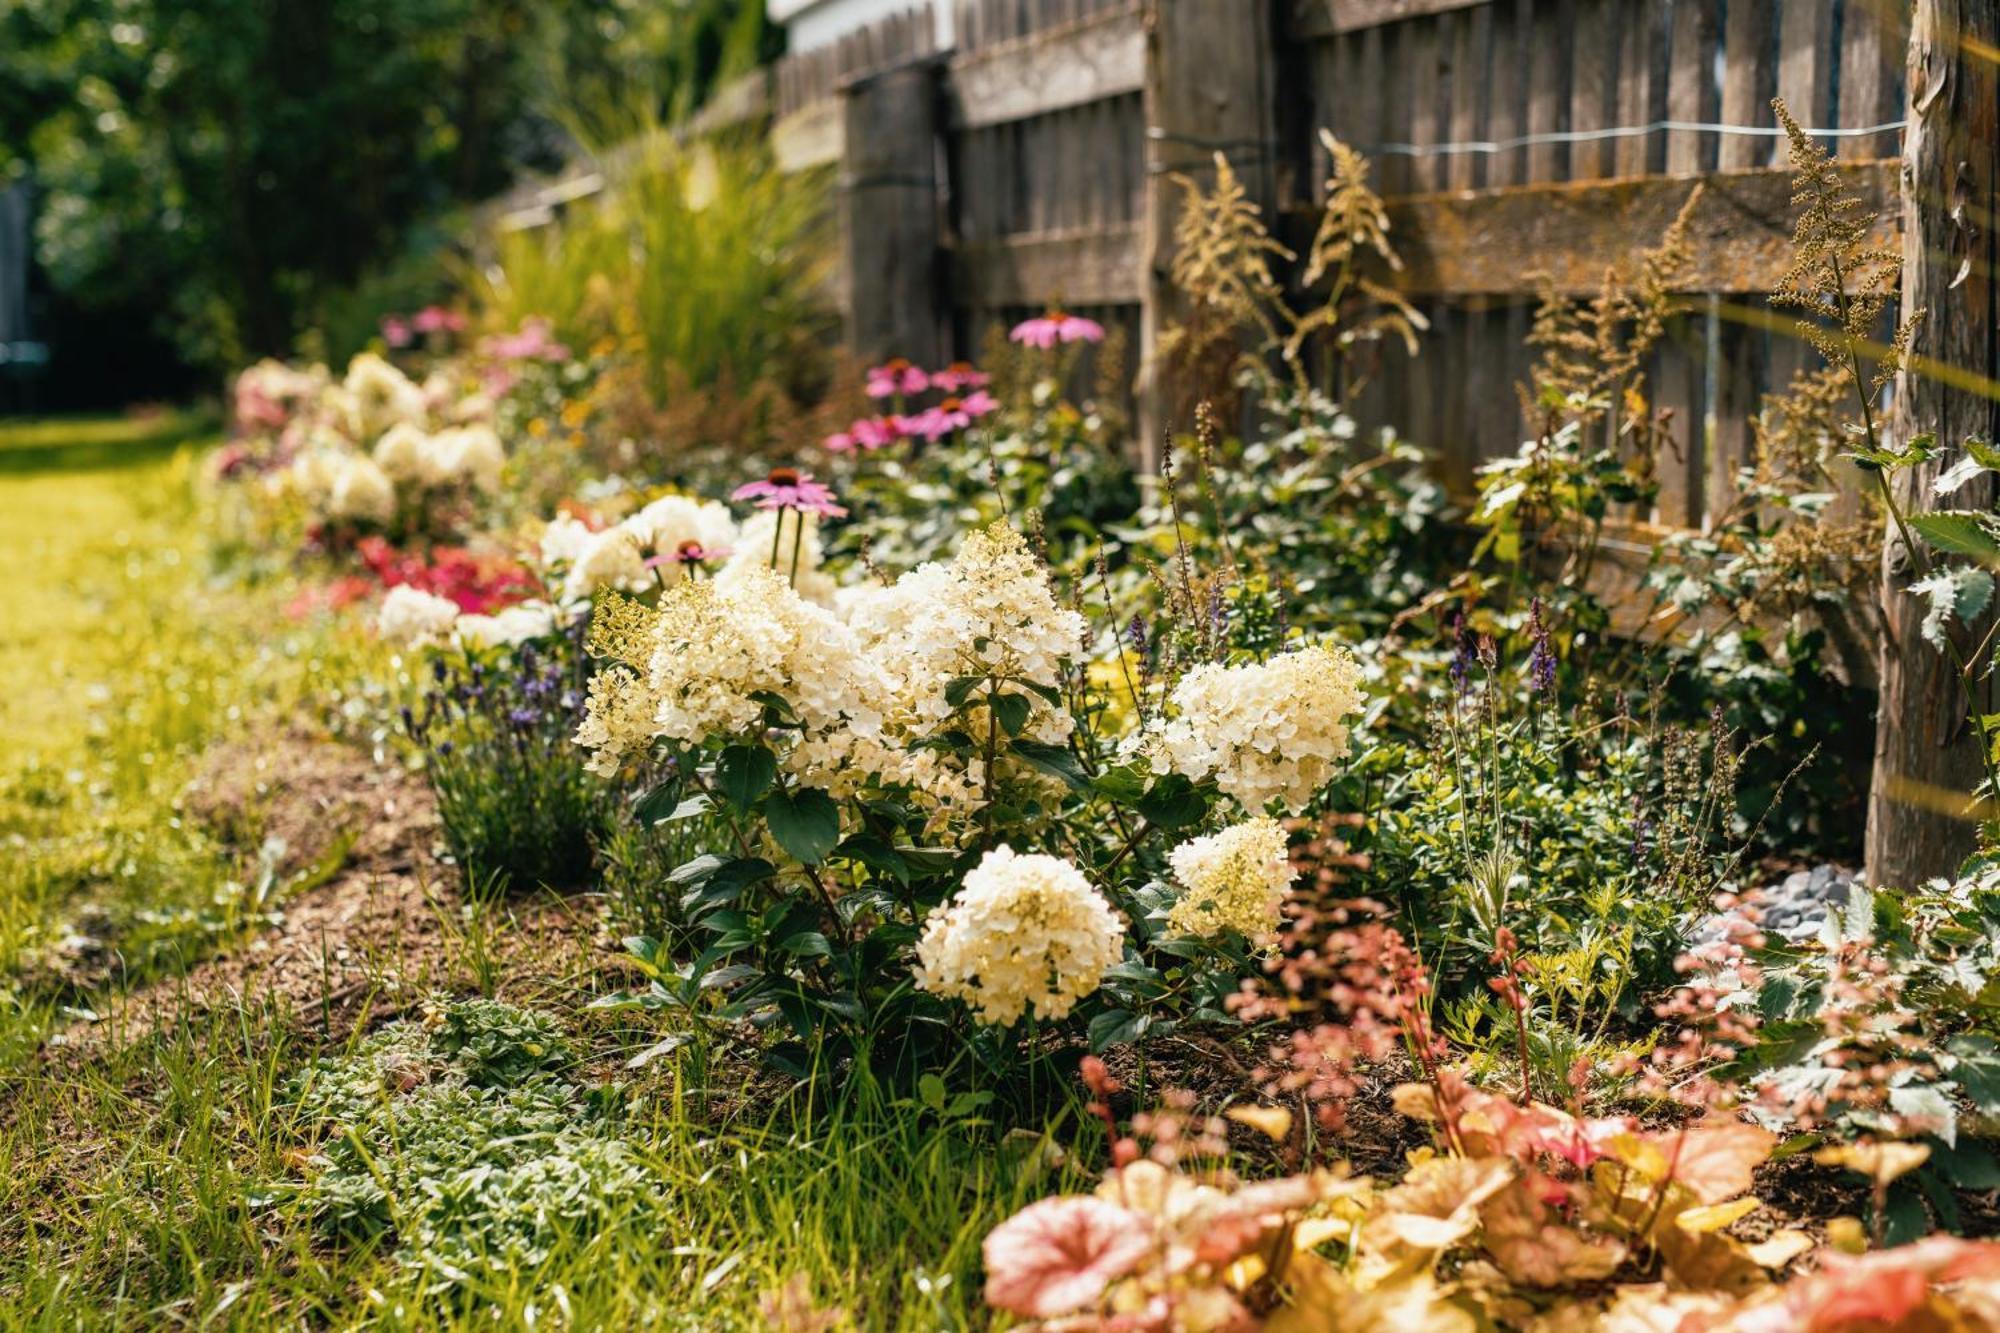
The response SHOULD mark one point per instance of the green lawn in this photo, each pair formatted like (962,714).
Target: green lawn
(143,1185)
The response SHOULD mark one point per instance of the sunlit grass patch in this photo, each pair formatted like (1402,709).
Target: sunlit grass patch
(123,659)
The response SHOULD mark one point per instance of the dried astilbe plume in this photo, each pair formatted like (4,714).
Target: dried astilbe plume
(1839,278)
(1357,309)
(1591,351)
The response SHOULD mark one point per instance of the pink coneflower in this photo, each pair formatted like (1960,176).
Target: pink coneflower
(953,414)
(395,330)
(533,342)
(689,552)
(1057,327)
(437,319)
(1057,1256)
(868,433)
(897,379)
(789,488)
(958,377)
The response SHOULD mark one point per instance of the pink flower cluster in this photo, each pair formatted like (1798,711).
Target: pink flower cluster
(533,342)
(1057,326)
(401,331)
(965,401)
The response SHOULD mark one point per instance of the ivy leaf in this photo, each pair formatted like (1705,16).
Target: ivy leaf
(745,772)
(1962,593)
(1959,532)
(806,823)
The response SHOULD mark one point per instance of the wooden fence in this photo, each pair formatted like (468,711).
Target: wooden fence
(1518,141)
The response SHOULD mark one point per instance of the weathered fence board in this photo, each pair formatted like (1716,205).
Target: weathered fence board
(1521,144)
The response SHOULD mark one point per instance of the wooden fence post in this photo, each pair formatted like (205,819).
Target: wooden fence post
(1926,755)
(1209,73)
(889,215)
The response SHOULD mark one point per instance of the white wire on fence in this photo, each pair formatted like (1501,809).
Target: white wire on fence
(1622,132)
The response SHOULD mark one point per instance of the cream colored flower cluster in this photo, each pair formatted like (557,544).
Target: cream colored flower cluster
(368,443)
(669,532)
(1025,933)
(867,671)
(1232,880)
(1266,731)
(990,612)
(456,455)
(412,618)
(693,671)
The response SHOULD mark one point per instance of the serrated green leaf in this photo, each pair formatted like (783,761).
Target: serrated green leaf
(1959,532)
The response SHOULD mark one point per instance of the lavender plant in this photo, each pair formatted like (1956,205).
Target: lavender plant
(516,800)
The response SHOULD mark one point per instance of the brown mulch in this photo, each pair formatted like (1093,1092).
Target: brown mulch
(375,936)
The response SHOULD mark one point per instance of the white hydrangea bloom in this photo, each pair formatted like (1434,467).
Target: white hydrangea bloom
(1024,933)
(508,626)
(1232,880)
(751,550)
(617,720)
(692,674)
(470,455)
(360,491)
(609,559)
(672,521)
(991,612)
(564,540)
(377,396)
(400,451)
(1269,731)
(410,616)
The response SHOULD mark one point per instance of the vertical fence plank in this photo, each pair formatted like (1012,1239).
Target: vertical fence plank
(1874,37)
(1208,76)
(1806,61)
(1471,47)
(1739,389)
(1747,84)
(1506,116)
(1679,372)
(1594,78)
(1548,88)
(889,216)
(1424,97)
(1691,91)
(1641,90)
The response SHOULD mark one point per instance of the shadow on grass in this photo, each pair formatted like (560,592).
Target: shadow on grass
(79,444)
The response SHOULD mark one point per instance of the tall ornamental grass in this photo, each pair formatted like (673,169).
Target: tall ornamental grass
(706,260)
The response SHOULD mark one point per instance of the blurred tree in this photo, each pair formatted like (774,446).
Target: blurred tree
(221,169)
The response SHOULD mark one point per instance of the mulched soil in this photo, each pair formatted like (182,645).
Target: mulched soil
(375,936)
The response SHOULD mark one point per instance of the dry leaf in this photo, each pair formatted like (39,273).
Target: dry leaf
(1880,1162)
(1273,1122)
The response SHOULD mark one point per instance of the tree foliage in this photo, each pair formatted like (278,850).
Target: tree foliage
(223,170)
